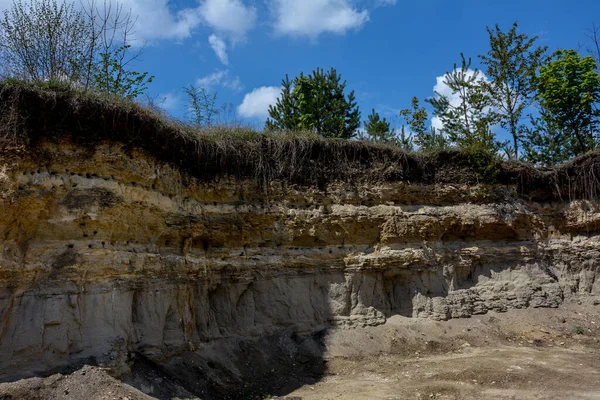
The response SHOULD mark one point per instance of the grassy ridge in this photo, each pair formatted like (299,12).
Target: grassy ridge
(30,113)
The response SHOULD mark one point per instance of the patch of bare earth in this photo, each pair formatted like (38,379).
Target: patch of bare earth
(520,354)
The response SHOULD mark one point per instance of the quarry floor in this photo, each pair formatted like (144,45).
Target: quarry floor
(519,354)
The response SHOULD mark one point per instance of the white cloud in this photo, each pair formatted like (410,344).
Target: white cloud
(219,47)
(230,17)
(153,18)
(386,2)
(314,17)
(212,80)
(454,99)
(256,103)
(221,78)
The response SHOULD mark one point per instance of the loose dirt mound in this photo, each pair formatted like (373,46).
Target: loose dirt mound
(90,383)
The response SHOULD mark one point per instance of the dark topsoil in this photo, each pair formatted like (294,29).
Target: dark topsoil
(31,113)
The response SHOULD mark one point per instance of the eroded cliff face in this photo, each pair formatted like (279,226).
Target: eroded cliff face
(106,253)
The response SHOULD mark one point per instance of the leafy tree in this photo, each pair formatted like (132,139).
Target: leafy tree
(44,40)
(112,77)
(466,122)
(110,51)
(317,103)
(87,46)
(202,105)
(568,91)
(426,138)
(377,129)
(511,63)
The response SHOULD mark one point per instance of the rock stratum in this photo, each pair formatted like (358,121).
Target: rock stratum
(109,255)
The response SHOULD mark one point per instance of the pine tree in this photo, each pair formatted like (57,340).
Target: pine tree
(467,123)
(426,138)
(544,143)
(284,113)
(316,103)
(377,130)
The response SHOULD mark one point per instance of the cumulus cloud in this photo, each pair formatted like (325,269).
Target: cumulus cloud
(219,47)
(256,103)
(454,99)
(314,17)
(221,78)
(154,19)
(230,17)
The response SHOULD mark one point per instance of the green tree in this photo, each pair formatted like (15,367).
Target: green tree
(285,113)
(568,92)
(315,102)
(511,63)
(467,121)
(87,46)
(112,76)
(377,130)
(544,143)
(44,40)
(426,138)
(405,140)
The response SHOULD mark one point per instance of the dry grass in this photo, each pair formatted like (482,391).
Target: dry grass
(31,113)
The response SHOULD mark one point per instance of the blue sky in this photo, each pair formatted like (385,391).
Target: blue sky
(387,50)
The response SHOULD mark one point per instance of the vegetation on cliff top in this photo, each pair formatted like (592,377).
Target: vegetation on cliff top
(34,112)
(87,46)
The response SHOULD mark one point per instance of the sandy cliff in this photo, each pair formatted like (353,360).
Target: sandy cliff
(110,255)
